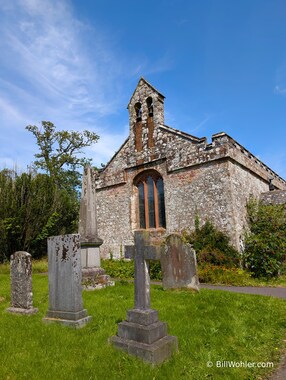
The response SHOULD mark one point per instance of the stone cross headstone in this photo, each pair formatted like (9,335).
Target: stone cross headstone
(21,284)
(179,264)
(142,334)
(65,288)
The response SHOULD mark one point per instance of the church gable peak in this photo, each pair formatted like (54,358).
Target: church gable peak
(141,84)
(145,103)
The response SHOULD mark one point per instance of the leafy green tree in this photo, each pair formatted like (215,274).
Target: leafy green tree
(59,153)
(33,208)
(265,239)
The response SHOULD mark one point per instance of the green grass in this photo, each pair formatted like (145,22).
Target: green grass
(210,326)
(39,266)
(208,274)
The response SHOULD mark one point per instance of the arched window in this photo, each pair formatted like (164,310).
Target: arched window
(150,107)
(151,201)
(138,110)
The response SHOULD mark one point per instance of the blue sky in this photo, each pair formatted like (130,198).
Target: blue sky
(220,63)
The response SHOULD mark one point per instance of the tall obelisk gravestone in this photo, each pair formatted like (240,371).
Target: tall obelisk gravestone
(65,289)
(142,334)
(90,242)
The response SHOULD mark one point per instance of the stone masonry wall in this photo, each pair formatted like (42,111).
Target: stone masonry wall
(276,197)
(243,185)
(213,180)
(113,218)
(201,190)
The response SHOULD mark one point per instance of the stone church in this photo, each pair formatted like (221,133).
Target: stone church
(162,178)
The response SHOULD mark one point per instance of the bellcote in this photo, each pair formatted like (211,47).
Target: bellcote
(146,103)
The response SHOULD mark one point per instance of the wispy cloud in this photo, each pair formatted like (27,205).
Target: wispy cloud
(44,43)
(108,145)
(55,68)
(200,124)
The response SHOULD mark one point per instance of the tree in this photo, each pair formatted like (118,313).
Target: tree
(32,209)
(59,153)
(265,239)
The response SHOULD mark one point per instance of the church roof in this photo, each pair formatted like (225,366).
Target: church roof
(143,80)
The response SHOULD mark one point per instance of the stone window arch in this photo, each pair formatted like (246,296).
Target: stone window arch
(150,106)
(150,200)
(138,110)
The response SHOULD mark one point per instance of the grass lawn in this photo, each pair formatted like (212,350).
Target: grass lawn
(210,326)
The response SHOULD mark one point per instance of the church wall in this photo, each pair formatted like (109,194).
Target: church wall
(244,183)
(113,220)
(212,191)
(200,190)
(212,180)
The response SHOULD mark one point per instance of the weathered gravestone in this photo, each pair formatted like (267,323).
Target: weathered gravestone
(94,276)
(142,334)
(90,242)
(178,261)
(65,288)
(21,284)
(179,264)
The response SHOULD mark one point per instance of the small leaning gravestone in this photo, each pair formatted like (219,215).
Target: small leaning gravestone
(179,264)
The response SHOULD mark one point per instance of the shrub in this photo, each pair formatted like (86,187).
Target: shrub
(155,270)
(265,241)
(221,275)
(118,268)
(125,269)
(212,246)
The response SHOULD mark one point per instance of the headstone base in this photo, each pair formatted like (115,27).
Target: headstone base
(90,257)
(19,310)
(144,336)
(95,278)
(155,353)
(92,272)
(71,319)
(67,322)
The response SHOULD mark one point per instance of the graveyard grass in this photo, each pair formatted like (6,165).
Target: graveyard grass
(211,326)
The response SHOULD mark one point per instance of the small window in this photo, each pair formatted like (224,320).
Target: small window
(150,107)
(138,110)
(151,201)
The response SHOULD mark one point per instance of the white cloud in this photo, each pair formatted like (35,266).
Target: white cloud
(54,68)
(8,109)
(107,146)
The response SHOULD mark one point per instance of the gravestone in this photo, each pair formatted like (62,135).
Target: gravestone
(65,288)
(142,334)
(94,276)
(90,242)
(21,284)
(179,264)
